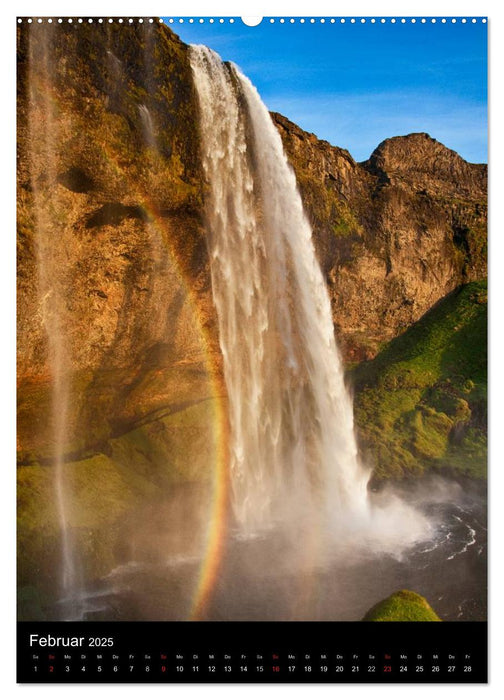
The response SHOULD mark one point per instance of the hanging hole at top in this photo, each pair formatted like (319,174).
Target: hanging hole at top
(251,21)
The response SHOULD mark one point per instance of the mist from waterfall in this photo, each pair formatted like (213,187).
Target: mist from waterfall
(294,457)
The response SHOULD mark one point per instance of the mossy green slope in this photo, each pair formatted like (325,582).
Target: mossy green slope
(403,606)
(421,403)
(106,492)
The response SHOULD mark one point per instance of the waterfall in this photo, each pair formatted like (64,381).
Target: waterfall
(52,311)
(293,449)
(147,126)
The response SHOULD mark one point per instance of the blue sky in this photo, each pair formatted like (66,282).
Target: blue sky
(357,84)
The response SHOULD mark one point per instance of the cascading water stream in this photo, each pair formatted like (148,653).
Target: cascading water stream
(293,448)
(52,310)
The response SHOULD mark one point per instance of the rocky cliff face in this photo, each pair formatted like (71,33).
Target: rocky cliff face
(114,294)
(117,348)
(394,234)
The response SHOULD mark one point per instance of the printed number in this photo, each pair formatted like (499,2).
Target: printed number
(339,669)
(51,669)
(371,669)
(227,669)
(323,669)
(451,669)
(244,669)
(101,641)
(355,669)
(419,669)
(435,669)
(307,669)
(403,669)
(259,669)
(387,669)
(195,669)
(67,669)
(147,669)
(467,669)
(292,669)
(83,669)
(99,669)
(115,669)
(211,669)
(131,668)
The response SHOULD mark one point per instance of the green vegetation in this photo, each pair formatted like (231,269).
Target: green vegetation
(421,403)
(403,606)
(104,491)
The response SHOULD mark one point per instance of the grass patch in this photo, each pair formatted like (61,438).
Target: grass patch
(421,403)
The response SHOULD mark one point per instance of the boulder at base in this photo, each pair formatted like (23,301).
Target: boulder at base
(402,606)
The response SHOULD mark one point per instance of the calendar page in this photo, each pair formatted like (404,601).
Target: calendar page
(252,374)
